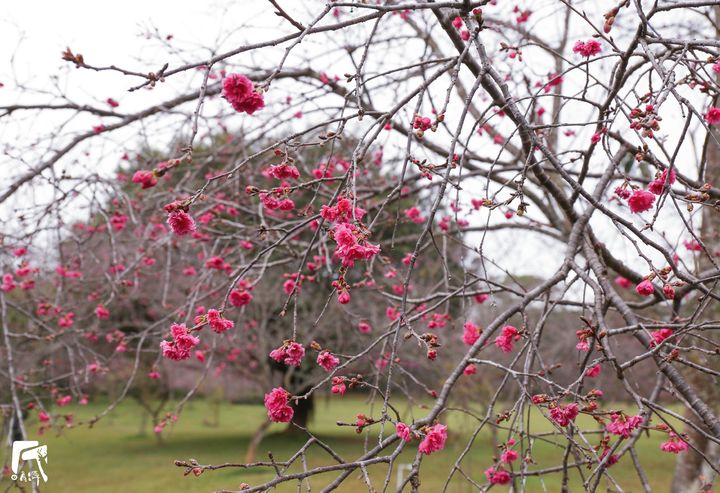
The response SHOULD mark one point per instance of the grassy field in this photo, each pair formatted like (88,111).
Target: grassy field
(113,457)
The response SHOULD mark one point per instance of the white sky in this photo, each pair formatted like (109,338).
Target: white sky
(34,33)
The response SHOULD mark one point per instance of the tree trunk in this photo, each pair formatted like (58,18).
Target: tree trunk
(142,431)
(303,412)
(158,436)
(689,464)
(256,440)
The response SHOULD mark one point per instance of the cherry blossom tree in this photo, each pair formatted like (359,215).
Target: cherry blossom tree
(408,200)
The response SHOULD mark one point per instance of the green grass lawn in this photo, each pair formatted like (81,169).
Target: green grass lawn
(113,457)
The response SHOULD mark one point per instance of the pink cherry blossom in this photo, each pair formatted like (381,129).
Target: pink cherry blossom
(645,288)
(276,403)
(497,476)
(481,298)
(344,298)
(291,354)
(509,456)
(641,201)
(63,400)
(658,185)
(712,116)
(587,48)
(669,291)
(338,385)
(434,439)
(674,444)
(414,214)
(610,460)
(181,223)
(8,283)
(327,360)
(505,340)
(241,94)
(240,297)
(146,178)
(623,425)
(283,171)
(342,211)
(403,431)
(593,371)
(623,282)
(217,323)
(422,123)
(101,312)
(659,336)
(350,247)
(470,333)
(182,344)
(564,415)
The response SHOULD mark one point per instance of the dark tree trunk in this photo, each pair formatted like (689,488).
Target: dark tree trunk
(689,464)
(17,433)
(303,411)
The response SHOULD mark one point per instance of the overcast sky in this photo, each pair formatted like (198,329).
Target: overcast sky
(34,33)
